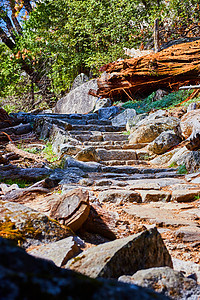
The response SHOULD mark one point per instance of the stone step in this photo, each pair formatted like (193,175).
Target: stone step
(116,154)
(136,170)
(96,136)
(133,177)
(135,146)
(125,162)
(102,128)
(105,143)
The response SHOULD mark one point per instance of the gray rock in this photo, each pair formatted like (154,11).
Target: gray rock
(108,112)
(194,140)
(87,154)
(123,256)
(31,227)
(69,149)
(164,142)
(72,208)
(164,158)
(192,106)
(187,268)
(84,166)
(79,80)
(69,175)
(26,277)
(148,129)
(154,196)
(59,252)
(78,100)
(122,118)
(58,137)
(119,196)
(191,159)
(189,122)
(133,121)
(86,182)
(185,195)
(101,103)
(159,94)
(166,281)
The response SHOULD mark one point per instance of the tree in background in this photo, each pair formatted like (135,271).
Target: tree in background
(13,14)
(52,41)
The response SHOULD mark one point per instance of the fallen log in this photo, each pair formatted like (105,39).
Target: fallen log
(18,130)
(21,153)
(170,68)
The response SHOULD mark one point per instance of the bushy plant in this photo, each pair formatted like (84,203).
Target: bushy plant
(167,101)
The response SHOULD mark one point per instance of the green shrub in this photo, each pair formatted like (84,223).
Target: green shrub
(167,101)
(182,169)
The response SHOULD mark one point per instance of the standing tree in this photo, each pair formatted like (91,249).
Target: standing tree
(12,15)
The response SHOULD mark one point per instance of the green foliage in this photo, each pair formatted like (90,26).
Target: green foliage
(173,165)
(22,183)
(62,38)
(49,154)
(182,169)
(167,101)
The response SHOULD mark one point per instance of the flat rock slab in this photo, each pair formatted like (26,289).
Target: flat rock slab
(123,256)
(189,233)
(167,281)
(154,196)
(59,252)
(169,214)
(28,226)
(157,182)
(116,154)
(119,196)
(185,195)
(143,185)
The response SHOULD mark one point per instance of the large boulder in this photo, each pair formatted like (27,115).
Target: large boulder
(28,226)
(26,277)
(191,159)
(148,129)
(121,119)
(189,122)
(123,256)
(165,141)
(78,100)
(166,281)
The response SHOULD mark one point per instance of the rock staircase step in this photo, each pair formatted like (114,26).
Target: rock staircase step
(104,143)
(133,177)
(96,136)
(116,154)
(135,146)
(125,162)
(136,170)
(103,128)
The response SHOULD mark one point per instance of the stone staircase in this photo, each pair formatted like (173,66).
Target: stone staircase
(118,159)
